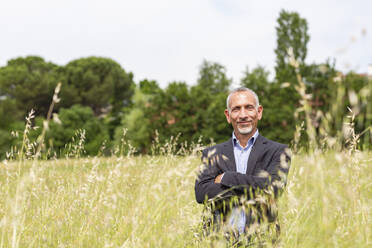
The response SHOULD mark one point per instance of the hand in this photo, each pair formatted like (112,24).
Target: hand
(218,178)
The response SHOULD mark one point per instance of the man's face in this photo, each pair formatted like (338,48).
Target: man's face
(243,114)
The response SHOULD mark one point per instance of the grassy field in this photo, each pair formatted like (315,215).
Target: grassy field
(148,201)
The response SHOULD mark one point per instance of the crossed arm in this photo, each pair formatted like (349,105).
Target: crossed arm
(215,181)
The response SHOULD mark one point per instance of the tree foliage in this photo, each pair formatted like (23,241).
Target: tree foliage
(135,128)
(30,83)
(73,119)
(292,32)
(212,86)
(99,83)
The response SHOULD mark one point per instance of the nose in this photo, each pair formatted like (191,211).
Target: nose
(243,113)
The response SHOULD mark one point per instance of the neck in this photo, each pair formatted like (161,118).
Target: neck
(243,138)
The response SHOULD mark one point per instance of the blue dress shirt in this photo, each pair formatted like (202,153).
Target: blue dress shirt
(237,217)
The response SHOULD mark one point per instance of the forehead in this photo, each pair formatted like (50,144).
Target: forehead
(242,98)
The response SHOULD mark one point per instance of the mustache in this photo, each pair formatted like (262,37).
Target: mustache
(244,120)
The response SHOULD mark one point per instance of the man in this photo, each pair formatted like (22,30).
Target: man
(245,166)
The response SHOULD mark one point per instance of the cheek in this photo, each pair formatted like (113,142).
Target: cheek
(232,118)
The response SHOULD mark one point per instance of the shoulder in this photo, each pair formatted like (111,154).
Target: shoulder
(271,143)
(218,148)
(276,148)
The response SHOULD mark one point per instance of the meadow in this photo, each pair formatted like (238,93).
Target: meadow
(148,201)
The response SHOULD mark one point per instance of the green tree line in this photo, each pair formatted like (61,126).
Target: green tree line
(101,98)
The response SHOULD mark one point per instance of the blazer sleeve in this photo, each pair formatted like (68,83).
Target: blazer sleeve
(205,188)
(274,171)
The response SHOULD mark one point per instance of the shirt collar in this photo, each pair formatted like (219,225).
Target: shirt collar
(250,142)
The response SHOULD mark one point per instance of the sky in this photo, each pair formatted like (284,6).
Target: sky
(167,40)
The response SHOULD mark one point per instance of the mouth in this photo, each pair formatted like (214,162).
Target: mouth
(244,122)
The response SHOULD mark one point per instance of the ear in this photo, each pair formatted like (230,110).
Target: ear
(227,114)
(259,112)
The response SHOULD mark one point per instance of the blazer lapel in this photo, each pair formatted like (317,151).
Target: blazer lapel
(229,153)
(257,148)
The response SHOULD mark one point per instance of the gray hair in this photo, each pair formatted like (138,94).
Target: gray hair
(241,89)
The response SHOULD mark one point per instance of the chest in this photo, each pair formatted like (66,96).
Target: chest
(247,161)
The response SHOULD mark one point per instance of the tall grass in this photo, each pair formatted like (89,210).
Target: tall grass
(327,202)
(100,202)
(148,201)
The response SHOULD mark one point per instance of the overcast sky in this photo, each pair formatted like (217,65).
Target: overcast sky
(167,40)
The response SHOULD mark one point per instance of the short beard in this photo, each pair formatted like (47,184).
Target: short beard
(246,130)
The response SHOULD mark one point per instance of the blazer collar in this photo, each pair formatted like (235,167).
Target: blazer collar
(257,148)
(229,153)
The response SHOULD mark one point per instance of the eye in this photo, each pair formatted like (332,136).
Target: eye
(235,109)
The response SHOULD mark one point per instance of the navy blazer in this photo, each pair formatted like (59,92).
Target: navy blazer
(263,169)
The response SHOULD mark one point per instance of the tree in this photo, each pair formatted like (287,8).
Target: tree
(212,77)
(257,80)
(291,33)
(136,124)
(171,112)
(319,82)
(216,126)
(30,82)
(177,112)
(99,83)
(9,114)
(209,102)
(149,87)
